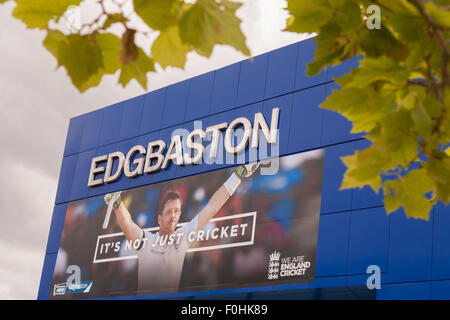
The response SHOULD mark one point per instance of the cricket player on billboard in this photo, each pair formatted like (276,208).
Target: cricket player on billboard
(160,261)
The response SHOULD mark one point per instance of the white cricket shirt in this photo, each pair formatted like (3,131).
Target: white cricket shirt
(160,267)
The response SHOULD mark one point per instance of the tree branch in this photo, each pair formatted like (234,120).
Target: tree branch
(436,30)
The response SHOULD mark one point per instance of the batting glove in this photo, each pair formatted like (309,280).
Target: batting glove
(114,198)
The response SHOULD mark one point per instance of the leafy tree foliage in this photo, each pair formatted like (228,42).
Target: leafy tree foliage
(399,96)
(92,50)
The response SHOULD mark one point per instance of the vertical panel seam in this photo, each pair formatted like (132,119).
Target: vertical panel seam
(186,99)
(212,93)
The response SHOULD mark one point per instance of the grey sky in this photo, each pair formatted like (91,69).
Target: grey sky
(36,104)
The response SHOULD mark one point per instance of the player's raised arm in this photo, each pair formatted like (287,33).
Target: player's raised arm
(225,192)
(131,230)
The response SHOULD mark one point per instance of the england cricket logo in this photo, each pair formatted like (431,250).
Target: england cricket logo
(274,264)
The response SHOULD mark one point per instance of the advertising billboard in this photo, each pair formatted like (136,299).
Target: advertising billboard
(231,228)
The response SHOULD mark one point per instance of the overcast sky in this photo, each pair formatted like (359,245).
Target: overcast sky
(36,103)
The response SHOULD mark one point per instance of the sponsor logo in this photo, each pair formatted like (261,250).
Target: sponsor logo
(274,264)
(59,289)
(81,287)
(286,266)
(72,288)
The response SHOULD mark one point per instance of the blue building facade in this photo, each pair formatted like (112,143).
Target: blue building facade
(354,229)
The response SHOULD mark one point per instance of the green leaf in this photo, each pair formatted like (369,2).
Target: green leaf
(158,14)
(397,137)
(438,168)
(37,13)
(169,50)
(137,70)
(85,58)
(409,192)
(305,15)
(109,45)
(403,20)
(338,27)
(378,42)
(53,41)
(80,55)
(381,69)
(208,23)
(364,169)
(365,108)
(347,16)
(328,49)
(410,100)
(442,17)
(422,120)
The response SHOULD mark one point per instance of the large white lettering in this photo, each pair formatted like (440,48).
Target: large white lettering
(139,161)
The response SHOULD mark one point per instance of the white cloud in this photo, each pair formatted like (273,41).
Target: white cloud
(20,270)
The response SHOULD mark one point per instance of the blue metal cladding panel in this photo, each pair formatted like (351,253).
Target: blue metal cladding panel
(305,56)
(440,290)
(66,177)
(47,276)
(284,103)
(152,111)
(111,123)
(74,135)
(343,68)
(336,128)
(441,242)
(252,80)
(306,119)
(334,200)
(334,293)
(281,71)
(131,117)
(369,240)
(92,130)
(81,175)
(332,244)
(410,247)
(54,236)
(405,291)
(330,282)
(225,88)
(199,97)
(365,197)
(175,104)
(359,279)
(325,285)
